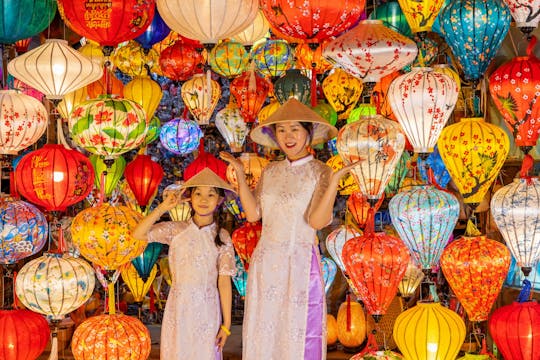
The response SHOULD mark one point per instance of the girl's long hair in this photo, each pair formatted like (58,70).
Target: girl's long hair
(218,216)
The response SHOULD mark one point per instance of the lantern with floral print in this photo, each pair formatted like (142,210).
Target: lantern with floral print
(112,173)
(108,126)
(228,58)
(335,241)
(180,61)
(424,218)
(421,15)
(134,61)
(311,59)
(70,101)
(244,239)
(400,173)
(525,14)
(257,30)
(201,94)
(152,131)
(422,101)
(143,176)
(112,336)
(346,185)
(180,136)
(23,120)
(231,126)
(380,98)
(249,91)
(253,167)
(376,144)
(342,91)
(378,355)
(54,177)
(145,92)
(24,334)
(358,205)
(272,58)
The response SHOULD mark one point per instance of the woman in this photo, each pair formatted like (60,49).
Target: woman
(285,310)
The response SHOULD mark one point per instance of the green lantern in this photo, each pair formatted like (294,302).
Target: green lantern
(152,130)
(361,110)
(399,174)
(392,17)
(112,172)
(293,84)
(229,59)
(22,19)
(326,111)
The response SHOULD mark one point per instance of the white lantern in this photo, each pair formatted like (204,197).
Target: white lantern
(335,241)
(257,30)
(411,280)
(231,125)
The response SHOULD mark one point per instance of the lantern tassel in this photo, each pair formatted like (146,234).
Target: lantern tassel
(12,188)
(530,47)
(54,346)
(152,300)
(526,166)
(348,312)
(371,344)
(370,222)
(61,240)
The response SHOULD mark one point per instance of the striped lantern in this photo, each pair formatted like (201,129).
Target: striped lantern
(24,334)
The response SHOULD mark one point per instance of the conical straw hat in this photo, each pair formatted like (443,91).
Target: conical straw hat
(207,177)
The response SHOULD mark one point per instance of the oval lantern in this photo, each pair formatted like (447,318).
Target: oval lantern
(23,231)
(203,161)
(70,101)
(376,143)
(342,91)
(113,173)
(23,19)
(54,177)
(424,218)
(108,84)
(392,16)
(145,92)
(351,324)
(272,57)
(473,151)
(331,331)
(326,111)
(136,285)
(245,239)
(429,331)
(293,84)
(400,173)
(180,136)
(268,110)
(24,333)
(525,15)
(154,33)
(253,167)
(249,91)
(112,336)
(143,176)
(411,281)
(421,16)
(228,58)
(201,94)
(180,61)
(145,262)
(231,125)
(380,97)
(335,241)
(103,235)
(311,59)
(23,120)
(346,185)
(132,60)
(255,31)
(152,131)
(360,111)
(434,164)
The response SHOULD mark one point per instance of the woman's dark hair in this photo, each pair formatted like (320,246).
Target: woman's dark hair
(218,216)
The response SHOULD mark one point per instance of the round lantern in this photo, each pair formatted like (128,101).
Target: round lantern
(117,336)
(55,284)
(24,334)
(421,16)
(244,239)
(473,151)
(54,177)
(331,330)
(131,59)
(342,91)
(392,16)
(351,324)
(228,59)
(329,270)
(180,61)
(154,33)
(253,167)
(152,131)
(422,101)
(108,126)
(145,92)
(180,136)
(293,84)
(23,120)
(257,30)
(23,231)
(308,58)
(23,19)
(411,281)
(378,355)
(376,144)
(515,209)
(182,211)
(515,329)
(359,205)
(361,110)
(475,267)
(249,91)
(112,172)
(346,185)
(424,218)
(380,98)
(272,57)
(136,285)
(429,331)
(103,235)
(268,110)
(201,94)
(143,176)
(326,111)
(145,262)
(70,101)
(232,127)
(335,241)
(525,14)
(370,51)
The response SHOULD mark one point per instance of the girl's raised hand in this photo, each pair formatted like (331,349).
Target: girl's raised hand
(172,199)
(237,165)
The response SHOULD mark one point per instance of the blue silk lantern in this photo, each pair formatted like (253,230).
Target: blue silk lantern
(515,276)
(154,33)
(436,27)
(436,164)
(273,57)
(145,262)
(180,136)
(240,278)
(23,231)
(424,218)
(474,30)
(24,18)
(392,16)
(329,270)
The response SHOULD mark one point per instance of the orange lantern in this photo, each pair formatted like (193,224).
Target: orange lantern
(359,206)
(342,91)
(351,324)
(245,239)
(143,176)
(249,90)
(201,94)
(253,167)
(346,185)
(331,330)
(308,58)
(180,61)
(108,84)
(380,95)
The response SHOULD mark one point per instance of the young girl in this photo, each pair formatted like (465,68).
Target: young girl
(201,256)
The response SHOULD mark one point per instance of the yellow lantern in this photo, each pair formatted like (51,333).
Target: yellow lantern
(268,110)
(429,331)
(351,323)
(411,281)
(331,330)
(165,270)
(70,101)
(473,151)
(447,70)
(342,91)
(253,167)
(182,211)
(138,287)
(133,60)
(346,185)
(93,51)
(420,15)
(145,92)
(201,94)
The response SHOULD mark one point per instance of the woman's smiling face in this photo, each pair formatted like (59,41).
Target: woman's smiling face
(293,139)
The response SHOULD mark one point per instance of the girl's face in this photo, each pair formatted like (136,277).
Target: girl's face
(204,200)
(293,139)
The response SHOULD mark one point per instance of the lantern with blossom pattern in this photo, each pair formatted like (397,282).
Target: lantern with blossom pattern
(249,90)
(180,136)
(244,239)
(201,94)
(342,91)
(232,127)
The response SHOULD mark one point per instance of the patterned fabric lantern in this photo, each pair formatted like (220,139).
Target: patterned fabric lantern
(70,101)
(231,126)
(448,70)
(435,164)
(346,185)
(361,110)
(515,329)
(182,211)
(293,84)
(392,16)
(311,59)
(23,19)
(473,151)
(233,204)
(180,61)
(136,285)
(113,172)
(55,284)
(23,120)
(474,30)
(154,33)
(201,94)
(515,209)
(268,110)
(145,92)
(23,231)
(378,355)
(421,16)
(475,267)
(411,281)
(180,136)
(245,239)
(326,111)
(335,241)
(376,143)
(253,167)
(351,323)
(117,336)
(143,176)
(329,270)
(145,262)
(228,59)
(422,101)
(429,331)
(152,131)
(358,205)
(342,91)
(208,22)
(272,58)
(103,235)
(428,52)
(257,30)
(54,177)
(249,90)
(380,96)
(424,218)
(132,60)
(240,278)
(24,334)
(108,126)
(525,14)
(399,174)
(370,51)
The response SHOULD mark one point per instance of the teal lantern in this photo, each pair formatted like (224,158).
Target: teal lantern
(474,30)
(152,130)
(293,85)
(326,111)
(229,59)
(145,262)
(180,136)
(24,18)
(112,172)
(515,277)
(272,58)
(241,276)
(392,17)
(329,270)
(424,218)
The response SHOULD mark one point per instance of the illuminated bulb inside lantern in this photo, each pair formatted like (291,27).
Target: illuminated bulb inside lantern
(58,69)
(58,176)
(432,347)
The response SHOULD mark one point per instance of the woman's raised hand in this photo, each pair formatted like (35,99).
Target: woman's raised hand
(237,165)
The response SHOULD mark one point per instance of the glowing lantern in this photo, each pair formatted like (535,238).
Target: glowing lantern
(473,151)
(70,101)
(424,218)
(113,172)
(335,241)
(23,120)
(180,136)
(351,324)
(145,92)
(360,111)
(380,96)
(370,51)
(376,143)
(182,211)
(152,131)
(293,84)
(253,167)
(108,84)
(411,281)
(54,177)
(448,70)
(61,69)
(421,16)
(515,329)
(232,127)
(114,336)
(233,204)
(143,176)
(24,334)
(201,95)
(422,101)
(103,235)
(268,110)
(240,278)
(180,61)
(475,265)
(132,60)
(429,331)
(378,355)
(136,285)
(392,16)
(245,239)
(145,262)
(515,208)
(435,164)
(108,126)
(329,270)
(311,59)
(228,59)
(257,30)
(428,52)
(272,58)
(525,14)
(326,111)
(346,185)
(21,46)
(359,205)
(513,88)
(94,52)
(249,90)
(154,33)
(474,30)
(23,231)
(205,160)
(331,330)
(342,91)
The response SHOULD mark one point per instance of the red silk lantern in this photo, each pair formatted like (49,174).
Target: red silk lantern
(143,176)
(181,61)
(515,329)
(244,239)
(54,177)
(24,334)
(205,160)
(249,90)
(359,206)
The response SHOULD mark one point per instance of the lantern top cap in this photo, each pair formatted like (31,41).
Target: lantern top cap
(207,177)
(472,119)
(293,110)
